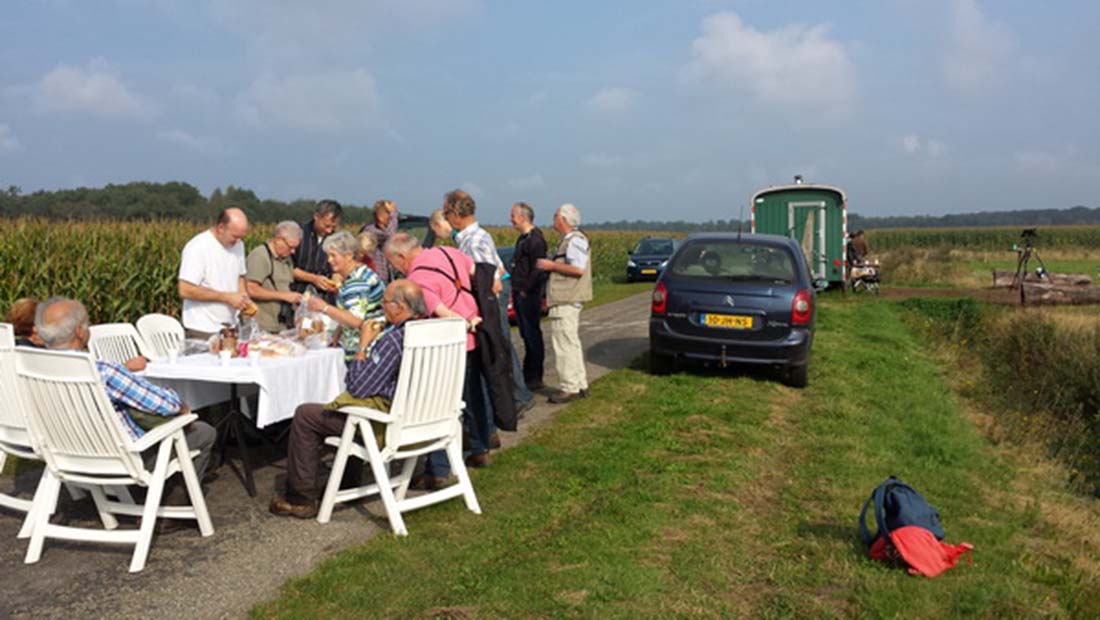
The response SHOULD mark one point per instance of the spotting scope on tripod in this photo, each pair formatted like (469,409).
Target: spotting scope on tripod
(1023,257)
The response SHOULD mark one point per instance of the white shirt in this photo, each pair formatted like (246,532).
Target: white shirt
(476,242)
(576,253)
(209,264)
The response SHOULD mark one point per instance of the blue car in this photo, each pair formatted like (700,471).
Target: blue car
(648,258)
(728,298)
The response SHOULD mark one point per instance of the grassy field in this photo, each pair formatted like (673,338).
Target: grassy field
(711,494)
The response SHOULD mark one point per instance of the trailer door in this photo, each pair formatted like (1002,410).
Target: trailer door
(806,224)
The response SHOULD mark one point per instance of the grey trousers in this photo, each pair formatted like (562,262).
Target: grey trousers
(200,436)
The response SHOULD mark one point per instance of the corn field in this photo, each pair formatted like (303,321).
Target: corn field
(993,238)
(122,270)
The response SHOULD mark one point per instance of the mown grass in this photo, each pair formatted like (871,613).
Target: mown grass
(708,494)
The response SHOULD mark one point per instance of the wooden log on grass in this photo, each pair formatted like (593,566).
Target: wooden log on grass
(1004,279)
(1054,294)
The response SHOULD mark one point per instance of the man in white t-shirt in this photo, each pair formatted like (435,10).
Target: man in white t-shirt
(211,280)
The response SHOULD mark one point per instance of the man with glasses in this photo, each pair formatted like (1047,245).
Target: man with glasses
(270,272)
(371,382)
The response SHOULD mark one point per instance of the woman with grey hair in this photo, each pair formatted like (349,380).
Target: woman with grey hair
(360,296)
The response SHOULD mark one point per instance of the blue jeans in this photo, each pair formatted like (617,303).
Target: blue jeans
(477,419)
(528,314)
(520,393)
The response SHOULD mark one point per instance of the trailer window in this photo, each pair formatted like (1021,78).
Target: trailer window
(735,260)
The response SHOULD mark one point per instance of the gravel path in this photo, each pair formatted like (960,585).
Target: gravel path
(251,553)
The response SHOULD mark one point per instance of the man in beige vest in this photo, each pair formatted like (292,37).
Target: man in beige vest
(569,286)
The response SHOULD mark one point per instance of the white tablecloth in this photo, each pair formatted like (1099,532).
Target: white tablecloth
(284,383)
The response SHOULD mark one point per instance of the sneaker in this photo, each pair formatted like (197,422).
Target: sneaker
(282,508)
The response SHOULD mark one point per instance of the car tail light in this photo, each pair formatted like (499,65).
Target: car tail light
(802,308)
(660,298)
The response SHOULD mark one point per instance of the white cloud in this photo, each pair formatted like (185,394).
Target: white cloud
(978,49)
(323,102)
(612,100)
(797,66)
(535,181)
(195,96)
(95,89)
(914,144)
(205,146)
(601,160)
(8,142)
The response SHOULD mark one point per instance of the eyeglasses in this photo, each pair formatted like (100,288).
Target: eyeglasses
(290,248)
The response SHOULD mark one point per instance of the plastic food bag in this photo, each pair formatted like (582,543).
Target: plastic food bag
(268,346)
(309,326)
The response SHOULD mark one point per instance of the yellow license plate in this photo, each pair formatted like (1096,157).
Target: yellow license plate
(649,272)
(729,321)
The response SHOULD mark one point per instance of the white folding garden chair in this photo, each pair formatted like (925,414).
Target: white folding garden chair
(424,418)
(17,440)
(117,342)
(161,333)
(83,440)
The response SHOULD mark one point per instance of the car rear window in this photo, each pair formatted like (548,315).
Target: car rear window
(735,260)
(654,246)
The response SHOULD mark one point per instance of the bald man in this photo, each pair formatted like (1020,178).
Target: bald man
(211,278)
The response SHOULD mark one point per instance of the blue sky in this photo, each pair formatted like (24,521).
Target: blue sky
(639,109)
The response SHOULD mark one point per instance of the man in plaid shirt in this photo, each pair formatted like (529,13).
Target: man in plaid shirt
(63,325)
(371,382)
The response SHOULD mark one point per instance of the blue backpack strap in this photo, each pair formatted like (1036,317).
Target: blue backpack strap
(864,533)
(878,500)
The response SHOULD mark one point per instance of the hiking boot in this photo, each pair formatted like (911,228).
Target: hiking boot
(427,482)
(280,507)
(479,460)
(561,397)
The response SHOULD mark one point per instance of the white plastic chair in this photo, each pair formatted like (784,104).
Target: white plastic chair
(17,440)
(117,342)
(161,333)
(83,440)
(424,418)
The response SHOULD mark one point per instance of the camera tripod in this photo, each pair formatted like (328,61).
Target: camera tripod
(1025,255)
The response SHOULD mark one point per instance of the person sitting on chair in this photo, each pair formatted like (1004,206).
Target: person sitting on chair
(371,382)
(858,248)
(63,325)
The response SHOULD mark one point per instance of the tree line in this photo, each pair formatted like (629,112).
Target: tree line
(176,200)
(154,201)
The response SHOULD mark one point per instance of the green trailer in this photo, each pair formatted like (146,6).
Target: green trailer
(814,215)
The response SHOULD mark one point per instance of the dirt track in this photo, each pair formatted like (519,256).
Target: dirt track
(251,552)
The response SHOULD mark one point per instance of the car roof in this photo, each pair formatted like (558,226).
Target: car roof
(754,238)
